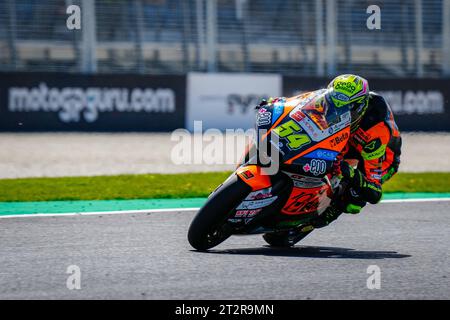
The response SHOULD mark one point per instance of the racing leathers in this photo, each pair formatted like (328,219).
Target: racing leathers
(376,144)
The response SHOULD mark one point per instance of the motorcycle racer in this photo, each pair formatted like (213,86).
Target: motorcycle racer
(375,142)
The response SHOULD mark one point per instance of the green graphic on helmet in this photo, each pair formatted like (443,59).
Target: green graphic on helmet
(348,89)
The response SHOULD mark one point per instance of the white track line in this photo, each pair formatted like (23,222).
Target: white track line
(95,213)
(171,210)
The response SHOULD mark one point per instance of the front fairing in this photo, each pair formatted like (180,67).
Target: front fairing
(306,133)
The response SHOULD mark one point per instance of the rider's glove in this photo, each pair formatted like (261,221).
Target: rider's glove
(355,179)
(265,102)
(347,170)
(351,175)
(262,104)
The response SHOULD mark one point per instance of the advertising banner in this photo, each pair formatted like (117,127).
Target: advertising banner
(227,101)
(418,104)
(76,102)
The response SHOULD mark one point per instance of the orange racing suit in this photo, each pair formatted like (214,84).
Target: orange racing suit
(376,144)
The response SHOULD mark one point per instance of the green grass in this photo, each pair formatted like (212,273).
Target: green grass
(435,182)
(168,186)
(111,187)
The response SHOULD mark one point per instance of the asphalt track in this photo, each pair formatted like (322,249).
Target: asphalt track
(147,256)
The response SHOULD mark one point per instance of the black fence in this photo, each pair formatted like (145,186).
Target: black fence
(75,102)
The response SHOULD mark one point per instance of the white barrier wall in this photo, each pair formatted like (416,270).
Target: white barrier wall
(227,101)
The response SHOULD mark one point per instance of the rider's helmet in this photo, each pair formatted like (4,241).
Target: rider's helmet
(352,91)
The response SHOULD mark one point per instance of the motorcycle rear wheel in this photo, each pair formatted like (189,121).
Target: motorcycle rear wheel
(209,227)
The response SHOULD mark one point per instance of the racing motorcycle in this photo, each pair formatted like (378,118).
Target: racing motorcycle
(278,190)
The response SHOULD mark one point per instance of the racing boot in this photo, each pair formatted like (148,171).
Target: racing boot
(328,216)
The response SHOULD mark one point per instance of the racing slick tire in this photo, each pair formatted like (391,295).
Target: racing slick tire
(209,227)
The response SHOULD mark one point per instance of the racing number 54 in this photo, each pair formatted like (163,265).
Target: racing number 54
(289,130)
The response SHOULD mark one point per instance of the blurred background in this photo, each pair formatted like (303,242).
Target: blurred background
(291,37)
(73,100)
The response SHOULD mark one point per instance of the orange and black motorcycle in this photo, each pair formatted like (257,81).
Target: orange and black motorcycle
(279,189)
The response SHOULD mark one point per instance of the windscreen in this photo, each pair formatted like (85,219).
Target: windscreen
(323,113)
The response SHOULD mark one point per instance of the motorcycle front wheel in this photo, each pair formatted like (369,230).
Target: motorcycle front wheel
(209,227)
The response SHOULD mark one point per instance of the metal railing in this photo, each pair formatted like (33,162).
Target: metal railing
(292,37)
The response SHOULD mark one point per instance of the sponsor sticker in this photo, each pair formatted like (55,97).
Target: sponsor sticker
(339,139)
(247,213)
(301,181)
(323,154)
(345,86)
(312,129)
(340,96)
(303,202)
(260,194)
(256,204)
(316,167)
(297,116)
(247,174)
(263,118)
